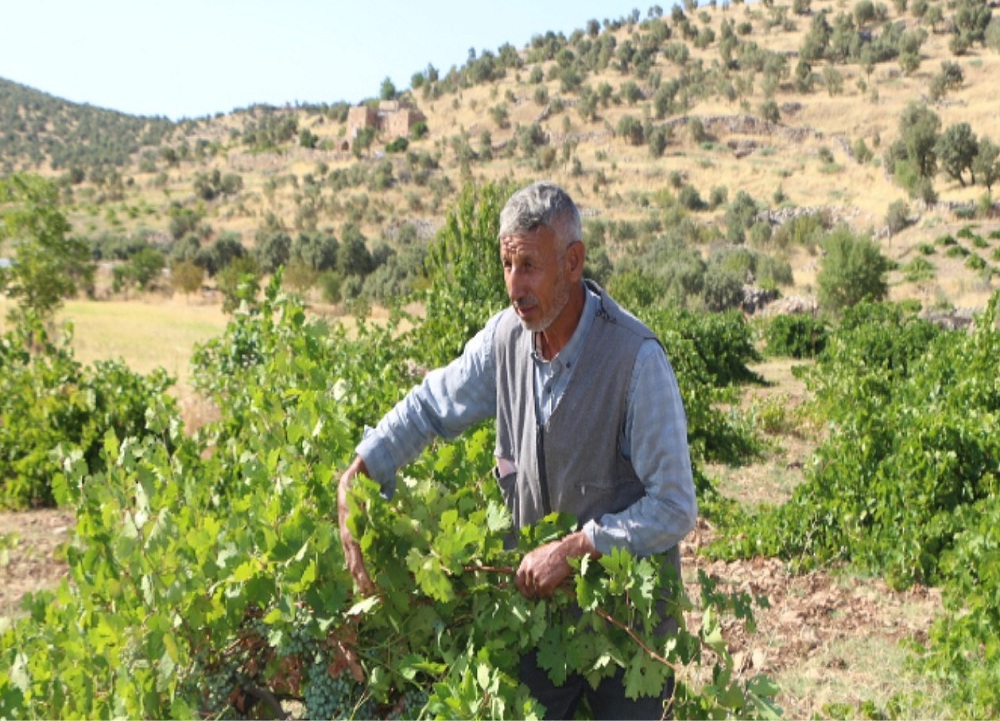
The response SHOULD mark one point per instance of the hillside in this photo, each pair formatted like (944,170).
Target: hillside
(646,120)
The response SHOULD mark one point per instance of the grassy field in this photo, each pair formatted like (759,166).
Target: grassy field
(146,334)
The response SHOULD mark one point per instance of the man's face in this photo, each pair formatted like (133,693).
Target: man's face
(534,269)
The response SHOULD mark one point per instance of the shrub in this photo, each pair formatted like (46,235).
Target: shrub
(689,198)
(853,270)
(919,270)
(974,262)
(795,336)
(898,216)
(399,145)
(630,128)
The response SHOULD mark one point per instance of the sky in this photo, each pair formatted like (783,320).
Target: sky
(192,58)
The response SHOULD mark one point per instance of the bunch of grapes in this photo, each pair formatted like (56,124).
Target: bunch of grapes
(409,705)
(217,688)
(327,697)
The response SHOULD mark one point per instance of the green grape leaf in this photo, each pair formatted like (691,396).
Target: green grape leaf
(644,676)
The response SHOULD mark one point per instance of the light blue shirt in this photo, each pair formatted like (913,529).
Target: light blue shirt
(654,437)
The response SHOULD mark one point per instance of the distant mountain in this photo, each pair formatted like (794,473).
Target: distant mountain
(38,129)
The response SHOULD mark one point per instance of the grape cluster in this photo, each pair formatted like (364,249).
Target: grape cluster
(409,705)
(326,697)
(217,688)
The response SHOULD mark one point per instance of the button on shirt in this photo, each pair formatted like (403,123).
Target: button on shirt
(654,436)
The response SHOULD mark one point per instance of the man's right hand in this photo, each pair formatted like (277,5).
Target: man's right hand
(352,551)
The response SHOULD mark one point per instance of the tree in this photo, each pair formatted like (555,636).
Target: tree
(143,267)
(971,19)
(226,248)
(833,80)
(186,277)
(864,12)
(272,250)
(852,270)
(387,91)
(918,130)
(362,141)
(956,149)
(659,136)
(986,164)
(740,215)
(630,128)
(317,250)
(48,266)
(353,256)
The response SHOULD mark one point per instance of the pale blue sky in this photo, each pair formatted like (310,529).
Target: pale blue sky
(190,58)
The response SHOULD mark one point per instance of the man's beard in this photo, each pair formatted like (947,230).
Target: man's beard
(561,299)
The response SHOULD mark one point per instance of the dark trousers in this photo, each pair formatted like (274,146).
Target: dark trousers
(607,701)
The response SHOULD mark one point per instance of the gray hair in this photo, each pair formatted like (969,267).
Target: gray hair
(541,204)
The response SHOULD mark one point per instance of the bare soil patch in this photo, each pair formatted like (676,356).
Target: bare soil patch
(30,559)
(826,637)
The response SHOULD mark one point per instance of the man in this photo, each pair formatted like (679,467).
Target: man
(589,422)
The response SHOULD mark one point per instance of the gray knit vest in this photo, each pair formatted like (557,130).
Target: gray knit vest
(573,464)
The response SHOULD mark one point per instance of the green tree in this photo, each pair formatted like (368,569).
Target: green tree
(986,164)
(387,91)
(464,273)
(833,80)
(48,265)
(740,215)
(272,250)
(353,256)
(853,270)
(362,141)
(956,149)
(971,19)
(864,12)
(918,134)
(317,250)
(226,248)
(630,128)
(143,267)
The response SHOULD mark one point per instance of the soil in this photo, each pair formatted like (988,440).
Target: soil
(826,637)
(30,558)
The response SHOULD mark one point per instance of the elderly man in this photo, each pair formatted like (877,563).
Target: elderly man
(589,422)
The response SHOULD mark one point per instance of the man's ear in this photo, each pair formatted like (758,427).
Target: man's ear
(576,255)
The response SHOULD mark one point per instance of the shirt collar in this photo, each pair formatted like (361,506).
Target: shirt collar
(570,353)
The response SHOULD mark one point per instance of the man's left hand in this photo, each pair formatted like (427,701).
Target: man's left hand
(544,569)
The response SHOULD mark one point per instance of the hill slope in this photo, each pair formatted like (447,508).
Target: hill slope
(644,121)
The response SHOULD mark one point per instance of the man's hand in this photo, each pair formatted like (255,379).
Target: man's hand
(352,551)
(542,570)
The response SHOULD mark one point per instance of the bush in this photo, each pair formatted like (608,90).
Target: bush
(974,262)
(795,336)
(689,198)
(52,408)
(630,129)
(723,288)
(399,145)
(853,270)
(898,216)
(919,270)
